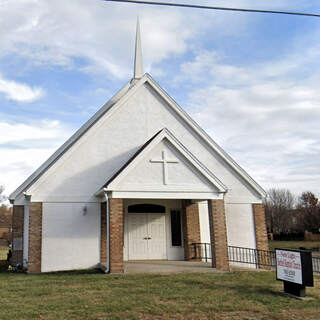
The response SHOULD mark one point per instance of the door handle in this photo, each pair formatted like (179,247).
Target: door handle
(147,238)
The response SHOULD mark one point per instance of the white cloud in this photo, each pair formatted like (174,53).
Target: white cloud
(20,92)
(16,165)
(101,34)
(270,125)
(24,147)
(20,132)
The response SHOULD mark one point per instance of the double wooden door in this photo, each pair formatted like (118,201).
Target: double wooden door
(147,236)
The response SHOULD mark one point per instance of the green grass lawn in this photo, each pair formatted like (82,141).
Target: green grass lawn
(293,244)
(89,295)
(3,253)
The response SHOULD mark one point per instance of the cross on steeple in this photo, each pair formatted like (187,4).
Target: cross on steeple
(165,162)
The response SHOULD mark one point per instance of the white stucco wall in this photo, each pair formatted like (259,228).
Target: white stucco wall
(240,229)
(240,225)
(204,222)
(204,228)
(94,158)
(70,236)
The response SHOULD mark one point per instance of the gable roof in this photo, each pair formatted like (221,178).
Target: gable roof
(75,137)
(111,106)
(158,137)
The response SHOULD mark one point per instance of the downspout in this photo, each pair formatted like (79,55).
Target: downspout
(107,270)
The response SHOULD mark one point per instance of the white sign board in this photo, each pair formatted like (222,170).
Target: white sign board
(289,266)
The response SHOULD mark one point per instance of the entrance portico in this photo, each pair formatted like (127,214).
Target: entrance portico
(154,196)
(154,235)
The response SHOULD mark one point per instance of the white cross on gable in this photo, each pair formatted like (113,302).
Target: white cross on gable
(164,162)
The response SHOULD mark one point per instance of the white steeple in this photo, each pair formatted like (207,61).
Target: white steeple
(138,67)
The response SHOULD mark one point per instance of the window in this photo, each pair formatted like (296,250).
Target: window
(146,208)
(176,228)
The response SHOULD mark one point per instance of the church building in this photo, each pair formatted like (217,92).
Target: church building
(140,180)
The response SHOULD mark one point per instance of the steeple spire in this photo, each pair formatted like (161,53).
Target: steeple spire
(138,67)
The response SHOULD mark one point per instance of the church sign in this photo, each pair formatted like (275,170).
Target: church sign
(294,268)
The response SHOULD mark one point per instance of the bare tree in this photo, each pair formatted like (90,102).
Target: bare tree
(278,205)
(309,206)
(2,196)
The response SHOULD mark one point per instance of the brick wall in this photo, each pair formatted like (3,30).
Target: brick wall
(260,226)
(103,235)
(218,234)
(116,236)
(35,237)
(191,227)
(261,232)
(17,235)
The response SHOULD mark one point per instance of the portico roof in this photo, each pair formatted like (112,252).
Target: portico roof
(146,173)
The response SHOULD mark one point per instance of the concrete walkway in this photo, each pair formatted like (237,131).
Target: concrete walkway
(157,266)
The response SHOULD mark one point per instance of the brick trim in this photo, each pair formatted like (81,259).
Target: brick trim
(17,235)
(218,235)
(116,236)
(191,227)
(35,237)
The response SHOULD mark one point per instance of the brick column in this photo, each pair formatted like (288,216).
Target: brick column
(116,236)
(35,237)
(218,235)
(103,235)
(261,233)
(191,227)
(17,235)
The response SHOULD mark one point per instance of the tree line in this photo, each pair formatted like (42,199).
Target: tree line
(287,214)
(4,209)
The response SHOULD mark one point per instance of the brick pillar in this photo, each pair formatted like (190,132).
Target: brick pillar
(191,227)
(103,235)
(35,237)
(116,236)
(261,234)
(218,235)
(17,235)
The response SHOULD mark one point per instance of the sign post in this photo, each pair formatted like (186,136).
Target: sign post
(294,268)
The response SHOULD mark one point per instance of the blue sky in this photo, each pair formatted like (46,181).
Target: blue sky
(250,80)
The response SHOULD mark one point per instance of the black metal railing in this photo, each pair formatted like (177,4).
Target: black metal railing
(255,257)
(316,264)
(201,251)
(259,258)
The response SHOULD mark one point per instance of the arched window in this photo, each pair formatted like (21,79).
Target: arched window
(146,208)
